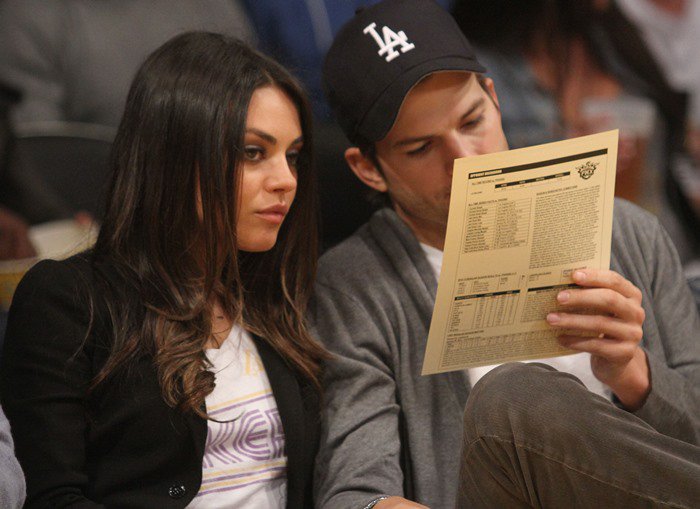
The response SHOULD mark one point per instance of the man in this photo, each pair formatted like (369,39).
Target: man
(411,96)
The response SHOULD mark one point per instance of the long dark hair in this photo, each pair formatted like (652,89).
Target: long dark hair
(182,135)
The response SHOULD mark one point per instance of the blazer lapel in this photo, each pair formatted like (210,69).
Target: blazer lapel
(285,388)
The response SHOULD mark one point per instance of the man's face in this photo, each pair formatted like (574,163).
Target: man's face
(446,116)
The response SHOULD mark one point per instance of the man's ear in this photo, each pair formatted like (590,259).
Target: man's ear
(491,90)
(365,169)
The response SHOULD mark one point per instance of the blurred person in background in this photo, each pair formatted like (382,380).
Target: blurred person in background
(555,60)
(73,60)
(671,28)
(14,240)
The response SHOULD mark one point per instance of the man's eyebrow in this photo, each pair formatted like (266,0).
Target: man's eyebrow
(269,138)
(409,141)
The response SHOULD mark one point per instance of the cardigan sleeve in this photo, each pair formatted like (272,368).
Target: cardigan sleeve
(43,378)
(359,457)
(673,405)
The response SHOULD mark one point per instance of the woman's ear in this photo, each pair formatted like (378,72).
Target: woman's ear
(365,169)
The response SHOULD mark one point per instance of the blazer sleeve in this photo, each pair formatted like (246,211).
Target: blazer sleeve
(43,378)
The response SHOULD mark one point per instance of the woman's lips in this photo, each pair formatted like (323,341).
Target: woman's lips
(274,214)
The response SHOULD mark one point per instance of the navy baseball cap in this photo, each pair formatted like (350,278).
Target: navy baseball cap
(379,55)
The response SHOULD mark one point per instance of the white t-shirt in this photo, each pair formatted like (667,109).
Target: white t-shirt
(578,364)
(244,464)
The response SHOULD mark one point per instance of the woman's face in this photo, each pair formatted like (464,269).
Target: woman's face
(273,140)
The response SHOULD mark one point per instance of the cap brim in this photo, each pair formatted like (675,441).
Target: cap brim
(382,115)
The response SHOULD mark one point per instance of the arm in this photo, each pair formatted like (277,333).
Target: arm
(43,379)
(669,351)
(12,489)
(360,449)
(673,405)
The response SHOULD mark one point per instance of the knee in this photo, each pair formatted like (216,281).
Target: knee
(520,396)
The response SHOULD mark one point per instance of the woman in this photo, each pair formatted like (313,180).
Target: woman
(170,366)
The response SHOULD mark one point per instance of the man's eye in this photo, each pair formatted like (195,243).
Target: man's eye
(253,153)
(473,122)
(419,150)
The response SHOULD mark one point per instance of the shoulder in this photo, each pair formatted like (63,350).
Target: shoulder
(381,247)
(70,290)
(68,277)
(630,217)
(374,280)
(634,228)
(359,249)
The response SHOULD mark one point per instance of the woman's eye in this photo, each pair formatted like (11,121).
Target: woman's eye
(253,153)
(293,158)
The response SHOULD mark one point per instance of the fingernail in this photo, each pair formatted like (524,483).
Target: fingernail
(579,275)
(553,318)
(563,296)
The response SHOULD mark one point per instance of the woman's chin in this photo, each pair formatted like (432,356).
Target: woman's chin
(257,246)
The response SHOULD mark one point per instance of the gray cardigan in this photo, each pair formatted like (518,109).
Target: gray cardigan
(12,488)
(388,430)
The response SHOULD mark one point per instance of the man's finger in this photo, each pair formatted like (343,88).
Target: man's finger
(604,301)
(606,279)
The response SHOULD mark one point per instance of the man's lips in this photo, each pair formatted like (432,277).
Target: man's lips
(274,214)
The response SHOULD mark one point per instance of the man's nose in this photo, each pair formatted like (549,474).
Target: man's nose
(457,146)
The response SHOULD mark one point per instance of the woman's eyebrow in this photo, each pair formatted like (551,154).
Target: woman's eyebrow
(271,139)
(265,136)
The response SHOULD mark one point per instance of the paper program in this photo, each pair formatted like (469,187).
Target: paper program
(520,223)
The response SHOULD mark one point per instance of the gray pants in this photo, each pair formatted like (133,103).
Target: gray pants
(536,437)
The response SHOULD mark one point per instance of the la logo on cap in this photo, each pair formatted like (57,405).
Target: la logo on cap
(388,45)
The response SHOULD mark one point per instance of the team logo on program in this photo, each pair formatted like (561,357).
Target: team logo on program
(587,170)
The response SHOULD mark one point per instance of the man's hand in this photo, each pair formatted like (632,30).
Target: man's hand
(398,503)
(610,307)
(14,239)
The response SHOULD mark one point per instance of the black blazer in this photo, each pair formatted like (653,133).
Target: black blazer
(122,446)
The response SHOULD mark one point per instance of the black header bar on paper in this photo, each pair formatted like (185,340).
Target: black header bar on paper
(490,294)
(530,181)
(543,288)
(537,164)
